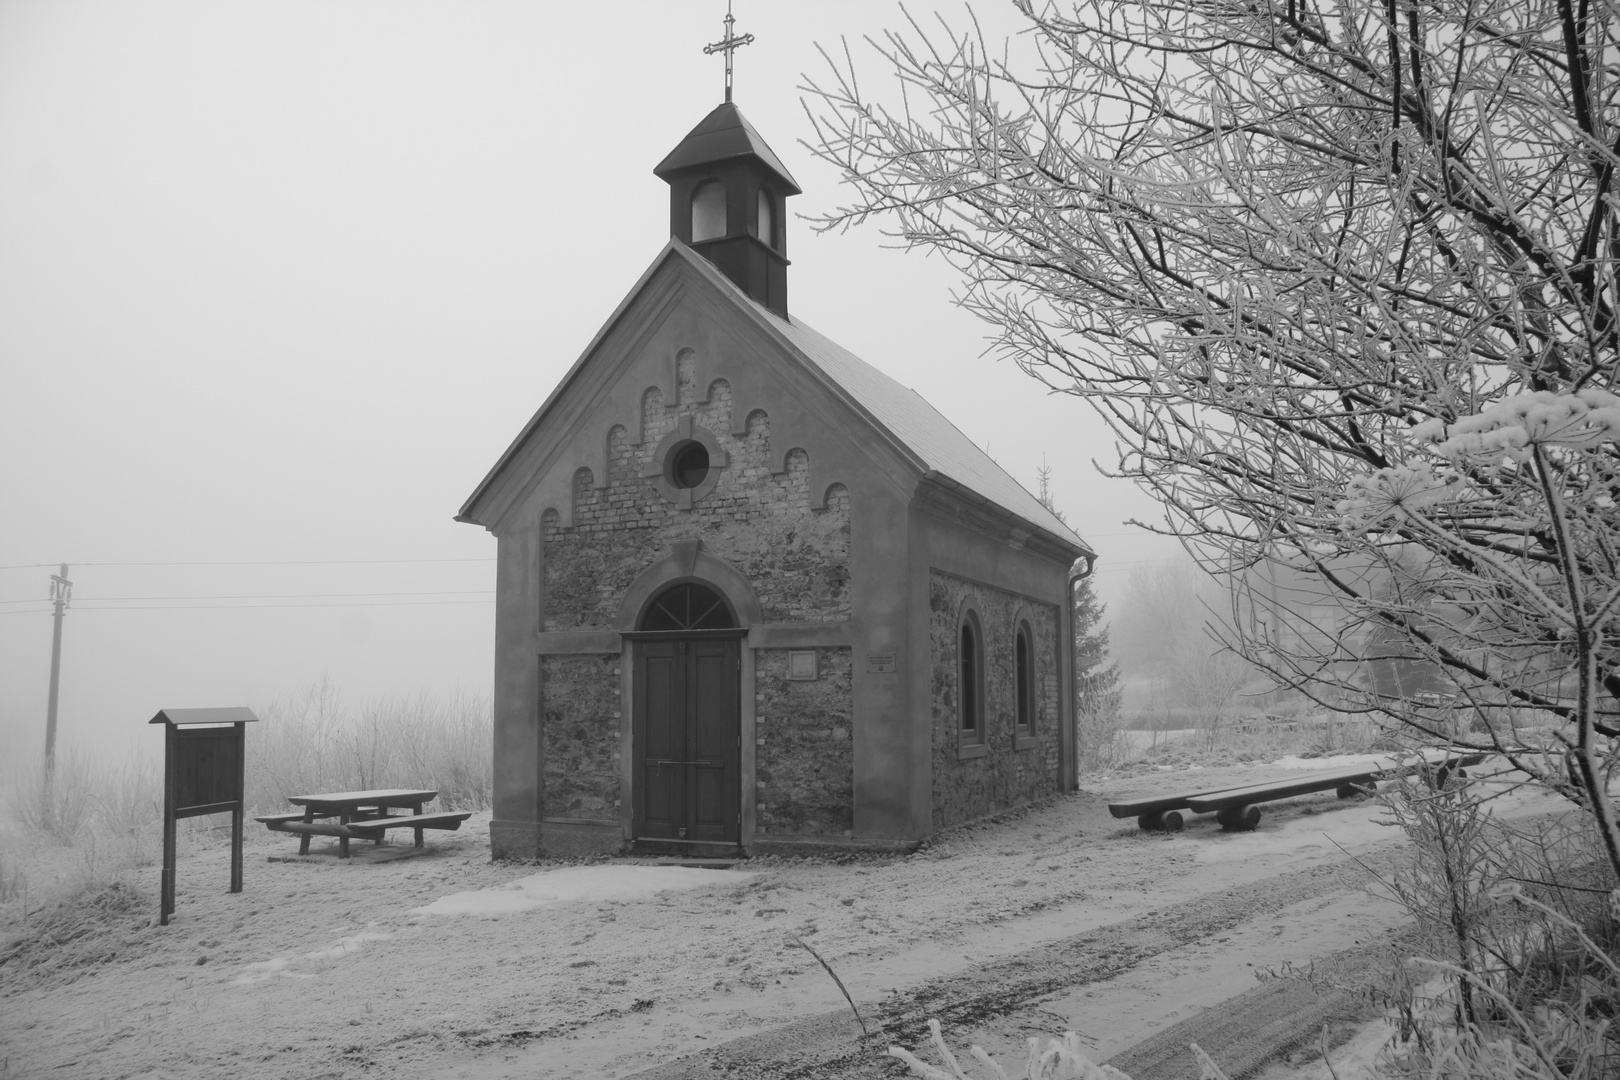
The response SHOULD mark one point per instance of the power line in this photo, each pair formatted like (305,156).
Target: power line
(263,562)
(240,607)
(276,596)
(296,596)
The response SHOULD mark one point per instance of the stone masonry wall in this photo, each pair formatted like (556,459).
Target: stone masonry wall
(795,557)
(805,754)
(965,788)
(581,733)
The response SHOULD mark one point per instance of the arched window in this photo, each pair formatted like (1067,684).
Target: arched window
(970,680)
(1024,674)
(689,606)
(766,229)
(708,211)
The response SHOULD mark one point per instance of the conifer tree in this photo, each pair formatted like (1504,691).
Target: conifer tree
(1097,690)
(1096,676)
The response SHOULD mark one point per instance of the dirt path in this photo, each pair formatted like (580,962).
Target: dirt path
(1059,917)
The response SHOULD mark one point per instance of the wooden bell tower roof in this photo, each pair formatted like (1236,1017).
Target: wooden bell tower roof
(723,136)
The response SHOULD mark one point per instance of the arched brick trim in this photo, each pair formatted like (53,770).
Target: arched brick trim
(686,561)
(788,453)
(648,408)
(604,477)
(831,493)
(584,481)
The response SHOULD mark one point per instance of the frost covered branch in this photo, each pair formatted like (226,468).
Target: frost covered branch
(1341,278)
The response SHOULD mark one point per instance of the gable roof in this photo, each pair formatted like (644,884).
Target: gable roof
(936,445)
(919,426)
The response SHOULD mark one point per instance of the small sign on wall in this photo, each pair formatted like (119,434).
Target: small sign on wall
(802,664)
(881,664)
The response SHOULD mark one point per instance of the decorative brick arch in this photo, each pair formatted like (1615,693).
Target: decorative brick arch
(686,561)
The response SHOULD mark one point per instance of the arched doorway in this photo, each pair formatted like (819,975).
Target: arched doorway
(686,720)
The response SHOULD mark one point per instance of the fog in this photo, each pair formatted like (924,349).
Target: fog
(280,281)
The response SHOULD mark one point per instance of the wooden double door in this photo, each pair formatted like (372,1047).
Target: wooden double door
(686,731)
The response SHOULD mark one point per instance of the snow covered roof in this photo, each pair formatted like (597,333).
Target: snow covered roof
(919,426)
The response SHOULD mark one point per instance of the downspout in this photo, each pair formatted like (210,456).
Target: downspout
(1078,572)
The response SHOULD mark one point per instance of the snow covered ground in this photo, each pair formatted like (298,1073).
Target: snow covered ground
(441,964)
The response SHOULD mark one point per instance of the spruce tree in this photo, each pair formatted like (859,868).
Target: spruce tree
(1097,691)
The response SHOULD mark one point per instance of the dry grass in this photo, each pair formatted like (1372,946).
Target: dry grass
(75,836)
(310,741)
(1241,740)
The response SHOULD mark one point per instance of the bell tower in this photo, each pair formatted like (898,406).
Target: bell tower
(728,195)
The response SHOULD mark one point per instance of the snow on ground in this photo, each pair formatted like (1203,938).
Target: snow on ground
(578,884)
(324,968)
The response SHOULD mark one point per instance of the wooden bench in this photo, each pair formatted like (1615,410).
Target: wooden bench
(271,820)
(1235,808)
(1158,814)
(374,828)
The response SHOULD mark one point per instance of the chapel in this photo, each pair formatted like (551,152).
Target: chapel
(752,593)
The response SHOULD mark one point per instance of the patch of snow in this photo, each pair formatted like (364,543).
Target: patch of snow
(591,884)
(277,966)
(347,945)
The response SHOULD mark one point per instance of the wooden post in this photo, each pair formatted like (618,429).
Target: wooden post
(171,779)
(61,592)
(240,810)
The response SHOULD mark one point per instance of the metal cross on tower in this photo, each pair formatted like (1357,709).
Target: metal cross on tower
(728,45)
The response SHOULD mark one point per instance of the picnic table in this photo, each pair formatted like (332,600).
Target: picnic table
(361,815)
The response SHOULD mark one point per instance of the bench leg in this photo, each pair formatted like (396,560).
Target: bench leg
(418,832)
(1353,791)
(1169,821)
(1239,818)
(303,839)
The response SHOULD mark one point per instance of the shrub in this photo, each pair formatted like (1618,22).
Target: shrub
(1516,972)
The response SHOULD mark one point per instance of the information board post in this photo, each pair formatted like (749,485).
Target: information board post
(204,772)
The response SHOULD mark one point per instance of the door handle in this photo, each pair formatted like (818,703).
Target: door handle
(661,762)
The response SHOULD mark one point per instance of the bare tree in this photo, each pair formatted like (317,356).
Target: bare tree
(1340,274)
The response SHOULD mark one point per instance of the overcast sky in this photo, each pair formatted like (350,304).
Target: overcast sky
(279,281)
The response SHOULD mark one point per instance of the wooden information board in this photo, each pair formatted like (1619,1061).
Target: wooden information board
(204,764)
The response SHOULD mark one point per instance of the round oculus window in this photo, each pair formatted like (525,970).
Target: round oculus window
(689,465)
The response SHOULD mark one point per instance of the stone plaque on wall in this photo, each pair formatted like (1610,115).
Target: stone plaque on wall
(881,664)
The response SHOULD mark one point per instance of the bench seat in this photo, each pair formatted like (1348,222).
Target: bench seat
(269,819)
(450,819)
(1233,806)
(1157,804)
(1323,780)
(319,828)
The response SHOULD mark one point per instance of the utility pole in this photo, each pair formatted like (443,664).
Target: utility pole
(61,591)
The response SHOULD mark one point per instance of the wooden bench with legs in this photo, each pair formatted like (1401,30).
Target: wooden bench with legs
(374,828)
(1236,810)
(1158,814)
